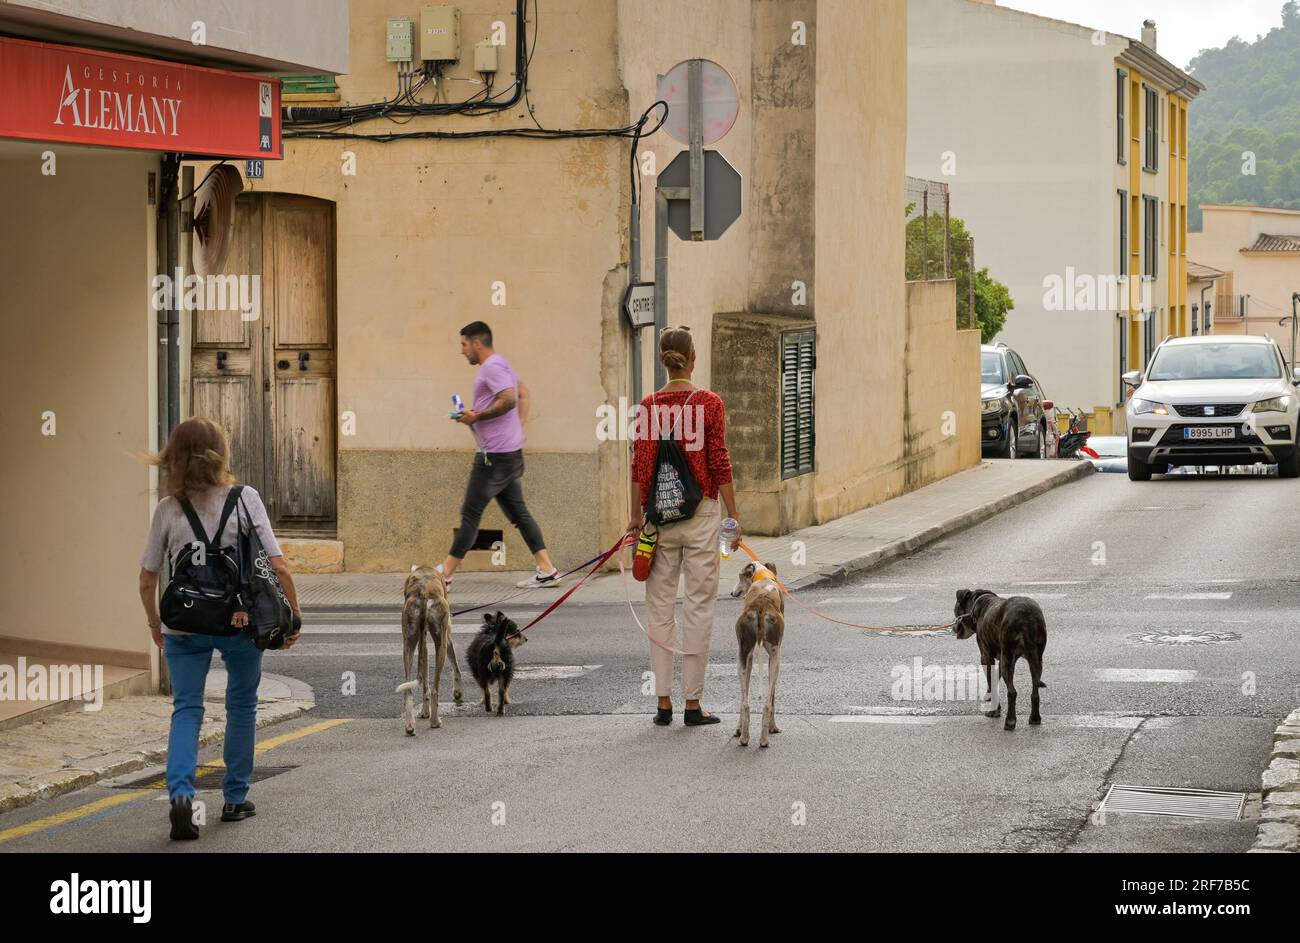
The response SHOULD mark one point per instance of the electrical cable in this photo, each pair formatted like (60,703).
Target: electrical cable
(403,105)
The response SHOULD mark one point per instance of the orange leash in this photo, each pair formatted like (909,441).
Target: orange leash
(856,625)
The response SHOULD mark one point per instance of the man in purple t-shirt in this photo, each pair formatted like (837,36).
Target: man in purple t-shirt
(496,414)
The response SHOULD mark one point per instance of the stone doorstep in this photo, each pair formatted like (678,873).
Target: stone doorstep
(151,753)
(139,683)
(312,554)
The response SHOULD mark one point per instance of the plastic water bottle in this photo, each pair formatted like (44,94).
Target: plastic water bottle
(730,534)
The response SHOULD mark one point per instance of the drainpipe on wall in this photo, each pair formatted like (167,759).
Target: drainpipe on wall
(167,257)
(169,321)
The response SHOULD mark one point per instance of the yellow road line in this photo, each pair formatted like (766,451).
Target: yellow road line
(109,802)
(81,812)
(298,734)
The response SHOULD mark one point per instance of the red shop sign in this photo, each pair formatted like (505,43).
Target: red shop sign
(65,94)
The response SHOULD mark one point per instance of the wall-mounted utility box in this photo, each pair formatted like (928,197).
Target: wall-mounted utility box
(401,39)
(485,57)
(438,35)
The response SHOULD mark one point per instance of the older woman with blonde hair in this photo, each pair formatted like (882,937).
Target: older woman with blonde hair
(195,476)
(697,419)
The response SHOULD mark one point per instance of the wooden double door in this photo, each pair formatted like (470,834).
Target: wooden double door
(267,371)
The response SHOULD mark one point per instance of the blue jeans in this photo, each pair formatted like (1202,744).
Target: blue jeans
(188,658)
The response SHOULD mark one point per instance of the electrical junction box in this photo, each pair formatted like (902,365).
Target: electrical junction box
(438,36)
(485,57)
(401,39)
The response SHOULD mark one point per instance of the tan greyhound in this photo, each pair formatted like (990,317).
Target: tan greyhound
(762,620)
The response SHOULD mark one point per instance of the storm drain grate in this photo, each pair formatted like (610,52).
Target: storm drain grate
(1159,800)
(205,777)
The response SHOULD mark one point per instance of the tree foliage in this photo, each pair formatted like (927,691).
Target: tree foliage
(1247,119)
(925,258)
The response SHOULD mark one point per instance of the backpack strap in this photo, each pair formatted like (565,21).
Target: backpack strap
(232,499)
(654,413)
(197,526)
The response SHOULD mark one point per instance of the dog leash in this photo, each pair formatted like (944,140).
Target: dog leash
(627,592)
(527,589)
(857,625)
(597,563)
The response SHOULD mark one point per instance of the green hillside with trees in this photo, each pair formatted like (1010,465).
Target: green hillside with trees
(1248,119)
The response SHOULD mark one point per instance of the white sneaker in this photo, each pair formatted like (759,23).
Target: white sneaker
(540,579)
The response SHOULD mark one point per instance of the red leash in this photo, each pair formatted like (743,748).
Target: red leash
(600,561)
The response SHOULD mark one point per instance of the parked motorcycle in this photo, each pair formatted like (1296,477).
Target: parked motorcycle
(1074,440)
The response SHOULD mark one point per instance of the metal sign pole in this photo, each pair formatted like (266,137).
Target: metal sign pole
(661,280)
(634,276)
(696,93)
(662,196)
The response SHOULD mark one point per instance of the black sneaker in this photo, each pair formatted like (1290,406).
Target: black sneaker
(237,813)
(182,816)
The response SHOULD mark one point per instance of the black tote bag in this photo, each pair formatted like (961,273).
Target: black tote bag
(270,617)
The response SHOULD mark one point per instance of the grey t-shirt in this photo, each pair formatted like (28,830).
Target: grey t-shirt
(171,531)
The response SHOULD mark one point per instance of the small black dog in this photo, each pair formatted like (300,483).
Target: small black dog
(491,658)
(1004,629)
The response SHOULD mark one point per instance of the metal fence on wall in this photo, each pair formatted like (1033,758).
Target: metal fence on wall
(932,253)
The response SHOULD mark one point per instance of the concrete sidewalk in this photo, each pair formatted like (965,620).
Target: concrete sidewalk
(823,554)
(69,750)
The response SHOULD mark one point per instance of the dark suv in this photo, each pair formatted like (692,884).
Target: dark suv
(1011,405)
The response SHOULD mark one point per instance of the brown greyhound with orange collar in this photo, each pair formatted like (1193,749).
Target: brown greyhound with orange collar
(762,620)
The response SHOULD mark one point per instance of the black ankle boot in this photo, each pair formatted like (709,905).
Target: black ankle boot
(182,816)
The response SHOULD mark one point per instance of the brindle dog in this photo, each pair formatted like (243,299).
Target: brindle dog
(1004,629)
(426,614)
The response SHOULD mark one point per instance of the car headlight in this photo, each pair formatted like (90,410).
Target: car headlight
(1278,404)
(1143,407)
(991,406)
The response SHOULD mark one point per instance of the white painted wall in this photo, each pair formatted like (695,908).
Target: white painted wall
(76,258)
(1027,107)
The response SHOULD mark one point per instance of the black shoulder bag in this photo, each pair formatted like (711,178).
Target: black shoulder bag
(271,619)
(675,494)
(204,590)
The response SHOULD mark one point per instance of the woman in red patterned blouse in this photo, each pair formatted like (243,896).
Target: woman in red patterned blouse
(697,420)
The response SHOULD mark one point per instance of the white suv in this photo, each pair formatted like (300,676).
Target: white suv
(1213,400)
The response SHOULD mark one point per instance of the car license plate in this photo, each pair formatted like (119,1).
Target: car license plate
(1210,432)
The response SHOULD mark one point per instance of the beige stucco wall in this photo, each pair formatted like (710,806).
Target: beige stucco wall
(1268,277)
(76,259)
(425,231)
(943,384)
(861,294)
(704,277)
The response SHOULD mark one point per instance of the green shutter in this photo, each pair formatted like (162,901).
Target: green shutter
(308,85)
(798,399)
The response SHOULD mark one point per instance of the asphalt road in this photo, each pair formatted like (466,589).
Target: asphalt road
(1172,654)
